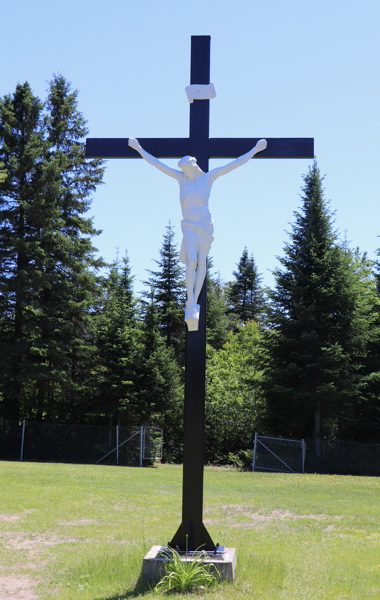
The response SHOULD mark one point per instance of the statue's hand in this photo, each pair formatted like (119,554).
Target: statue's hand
(261,145)
(133,143)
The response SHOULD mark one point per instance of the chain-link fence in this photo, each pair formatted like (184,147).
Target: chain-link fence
(86,444)
(278,454)
(342,458)
(331,457)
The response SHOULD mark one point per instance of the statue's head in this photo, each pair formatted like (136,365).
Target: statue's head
(188,164)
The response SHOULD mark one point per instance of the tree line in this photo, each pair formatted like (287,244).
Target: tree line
(78,345)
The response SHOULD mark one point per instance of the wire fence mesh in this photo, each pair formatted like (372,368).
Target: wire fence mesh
(91,444)
(85,444)
(342,458)
(278,454)
(330,457)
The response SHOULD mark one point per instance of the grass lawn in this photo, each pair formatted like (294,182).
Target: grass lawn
(70,532)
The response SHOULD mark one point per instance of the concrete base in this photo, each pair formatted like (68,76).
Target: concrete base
(153,568)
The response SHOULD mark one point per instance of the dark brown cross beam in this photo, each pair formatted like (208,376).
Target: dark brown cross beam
(200,145)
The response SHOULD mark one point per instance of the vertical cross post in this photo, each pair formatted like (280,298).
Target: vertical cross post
(195,358)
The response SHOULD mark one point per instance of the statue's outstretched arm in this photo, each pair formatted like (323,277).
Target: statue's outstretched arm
(133,143)
(219,171)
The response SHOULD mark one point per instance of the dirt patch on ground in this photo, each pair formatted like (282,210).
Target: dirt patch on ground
(10,518)
(17,587)
(261,517)
(33,542)
(211,521)
(83,521)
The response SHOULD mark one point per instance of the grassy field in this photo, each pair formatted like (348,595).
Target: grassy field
(70,532)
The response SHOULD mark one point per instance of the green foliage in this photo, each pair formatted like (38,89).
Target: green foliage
(234,400)
(321,322)
(46,254)
(218,322)
(3,173)
(160,386)
(168,288)
(118,348)
(189,575)
(241,460)
(245,295)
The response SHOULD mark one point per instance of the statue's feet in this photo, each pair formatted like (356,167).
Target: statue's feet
(192,316)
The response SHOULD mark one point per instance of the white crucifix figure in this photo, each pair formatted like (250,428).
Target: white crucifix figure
(197,224)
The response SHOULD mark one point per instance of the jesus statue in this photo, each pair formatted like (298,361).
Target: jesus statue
(197,224)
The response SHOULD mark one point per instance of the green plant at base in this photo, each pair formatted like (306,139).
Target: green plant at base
(187,575)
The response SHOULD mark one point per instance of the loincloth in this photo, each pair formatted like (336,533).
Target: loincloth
(200,233)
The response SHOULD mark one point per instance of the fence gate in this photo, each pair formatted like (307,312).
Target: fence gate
(144,444)
(278,454)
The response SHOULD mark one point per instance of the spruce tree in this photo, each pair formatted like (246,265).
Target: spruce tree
(316,342)
(168,287)
(160,389)
(368,412)
(245,294)
(217,320)
(119,349)
(46,253)
(22,151)
(73,287)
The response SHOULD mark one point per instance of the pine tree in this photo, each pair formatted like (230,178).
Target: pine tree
(169,293)
(245,295)
(46,253)
(319,326)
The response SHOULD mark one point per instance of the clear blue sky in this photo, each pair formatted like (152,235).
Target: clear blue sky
(293,68)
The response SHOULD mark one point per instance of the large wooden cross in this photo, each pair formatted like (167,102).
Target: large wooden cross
(200,145)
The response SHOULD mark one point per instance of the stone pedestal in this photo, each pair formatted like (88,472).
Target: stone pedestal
(153,568)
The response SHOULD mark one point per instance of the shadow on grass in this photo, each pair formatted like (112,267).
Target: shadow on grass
(141,588)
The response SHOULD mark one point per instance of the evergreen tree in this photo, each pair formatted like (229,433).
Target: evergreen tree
(317,343)
(161,392)
(169,293)
(217,319)
(245,295)
(22,152)
(119,349)
(46,253)
(72,289)
(368,414)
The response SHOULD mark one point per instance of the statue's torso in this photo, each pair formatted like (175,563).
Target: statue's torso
(194,196)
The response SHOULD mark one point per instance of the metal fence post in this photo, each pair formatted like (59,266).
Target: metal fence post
(254,453)
(303,455)
(141,445)
(22,440)
(117,444)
